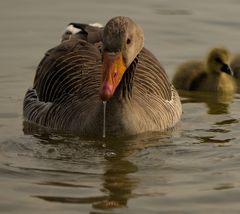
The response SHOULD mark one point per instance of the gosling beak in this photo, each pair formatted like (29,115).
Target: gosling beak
(227,69)
(114,68)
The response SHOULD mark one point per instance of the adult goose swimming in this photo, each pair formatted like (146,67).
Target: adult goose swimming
(215,74)
(93,65)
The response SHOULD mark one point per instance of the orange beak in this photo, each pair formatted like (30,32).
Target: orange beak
(114,68)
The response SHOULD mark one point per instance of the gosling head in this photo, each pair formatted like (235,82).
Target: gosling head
(218,61)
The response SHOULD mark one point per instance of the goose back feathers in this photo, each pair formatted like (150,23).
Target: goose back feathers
(70,79)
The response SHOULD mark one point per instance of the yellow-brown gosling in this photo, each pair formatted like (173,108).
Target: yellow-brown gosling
(215,74)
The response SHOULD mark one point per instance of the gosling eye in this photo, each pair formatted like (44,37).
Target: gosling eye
(128,41)
(218,60)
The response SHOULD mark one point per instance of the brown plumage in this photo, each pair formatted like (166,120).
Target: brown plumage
(75,77)
(214,74)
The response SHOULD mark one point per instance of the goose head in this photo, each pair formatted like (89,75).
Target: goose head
(123,39)
(218,61)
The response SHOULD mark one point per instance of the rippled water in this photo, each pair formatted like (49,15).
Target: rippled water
(192,169)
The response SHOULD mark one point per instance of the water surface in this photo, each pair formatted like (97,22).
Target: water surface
(192,169)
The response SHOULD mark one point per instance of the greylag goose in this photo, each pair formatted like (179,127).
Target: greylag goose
(74,78)
(213,75)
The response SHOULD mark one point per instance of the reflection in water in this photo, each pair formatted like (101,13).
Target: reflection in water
(227,122)
(111,155)
(216,123)
(216,103)
(224,186)
(72,200)
(210,139)
(117,184)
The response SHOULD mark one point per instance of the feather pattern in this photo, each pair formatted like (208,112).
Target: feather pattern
(65,93)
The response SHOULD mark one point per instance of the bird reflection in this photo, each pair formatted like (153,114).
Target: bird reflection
(117,183)
(216,103)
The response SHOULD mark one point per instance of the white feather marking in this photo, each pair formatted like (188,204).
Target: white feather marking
(72,29)
(96,24)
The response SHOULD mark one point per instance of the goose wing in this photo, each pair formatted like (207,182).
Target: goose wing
(151,78)
(73,67)
(67,76)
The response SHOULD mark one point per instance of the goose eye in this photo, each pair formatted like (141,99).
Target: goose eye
(128,41)
(217,59)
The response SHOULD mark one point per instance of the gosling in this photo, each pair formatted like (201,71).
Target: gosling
(213,75)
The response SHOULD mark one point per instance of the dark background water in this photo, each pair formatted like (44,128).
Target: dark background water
(194,169)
